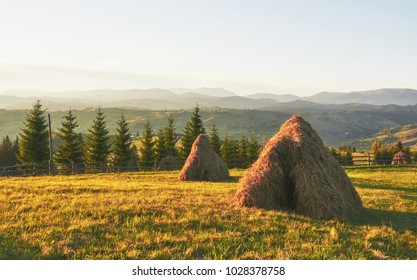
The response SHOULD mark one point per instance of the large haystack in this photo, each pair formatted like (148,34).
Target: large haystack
(203,164)
(295,171)
(401,158)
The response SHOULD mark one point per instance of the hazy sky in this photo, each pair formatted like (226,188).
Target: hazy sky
(299,47)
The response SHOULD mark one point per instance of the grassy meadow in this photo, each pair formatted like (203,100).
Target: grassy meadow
(153,216)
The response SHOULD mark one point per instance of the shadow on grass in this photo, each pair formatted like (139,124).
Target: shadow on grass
(399,221)
(412,198)
(12,248)
(231,179)
(385,168)
(16,249)
(390,188)
(396,220)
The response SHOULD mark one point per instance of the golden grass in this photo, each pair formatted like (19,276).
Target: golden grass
(153,216)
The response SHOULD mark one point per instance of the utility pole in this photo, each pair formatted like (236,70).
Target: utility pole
(51,158)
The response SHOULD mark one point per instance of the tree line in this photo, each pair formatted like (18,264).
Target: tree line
(343,154)
(96,150)
(383,154)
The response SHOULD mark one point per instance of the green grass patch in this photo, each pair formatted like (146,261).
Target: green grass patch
(154,216)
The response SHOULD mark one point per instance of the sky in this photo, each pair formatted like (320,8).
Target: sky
(283,47)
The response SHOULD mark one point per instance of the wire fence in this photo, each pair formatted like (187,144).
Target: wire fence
(368,160)
(36,169)
(172,165)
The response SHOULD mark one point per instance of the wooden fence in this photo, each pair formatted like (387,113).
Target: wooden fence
(111,167)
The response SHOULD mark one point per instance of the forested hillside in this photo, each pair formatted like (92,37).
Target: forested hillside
(336,125)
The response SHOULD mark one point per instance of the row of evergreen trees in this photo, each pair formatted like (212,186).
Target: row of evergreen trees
(382,154)
(95,150)
(343,154)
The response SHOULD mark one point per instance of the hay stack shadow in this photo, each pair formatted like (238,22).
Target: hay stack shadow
(203,164)
(296,172)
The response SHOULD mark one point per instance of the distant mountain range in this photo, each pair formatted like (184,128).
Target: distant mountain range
(174,99)
(385,96)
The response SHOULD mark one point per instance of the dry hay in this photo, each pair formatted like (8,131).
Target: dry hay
(401,158)
(168,163)
(203,164)
(296,172)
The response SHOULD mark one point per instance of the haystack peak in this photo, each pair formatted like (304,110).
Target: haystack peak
(203,164)
(202,140)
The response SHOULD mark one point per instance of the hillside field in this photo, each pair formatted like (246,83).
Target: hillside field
(154,216)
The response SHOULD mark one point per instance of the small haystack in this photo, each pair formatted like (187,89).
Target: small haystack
(168,163)
(401,158)
(203,164)
(296,172)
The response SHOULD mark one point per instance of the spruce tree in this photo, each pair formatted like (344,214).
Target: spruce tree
(5,146)
(215,140)
(170,138)
(348,158)
(197,123)
(186,141)
(229,151)
(8,152)
(134,162)
(160,145)
(243,152)
(70,152)
(398,147)
(16,150)
(96,145)
(146,149)
(193,128)
(122,150)
(253,149)
(335,153)
(33,139)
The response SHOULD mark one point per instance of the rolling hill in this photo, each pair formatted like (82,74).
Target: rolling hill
(276,97)
(343,124)
(407,134)
(161,99)
(337,123)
